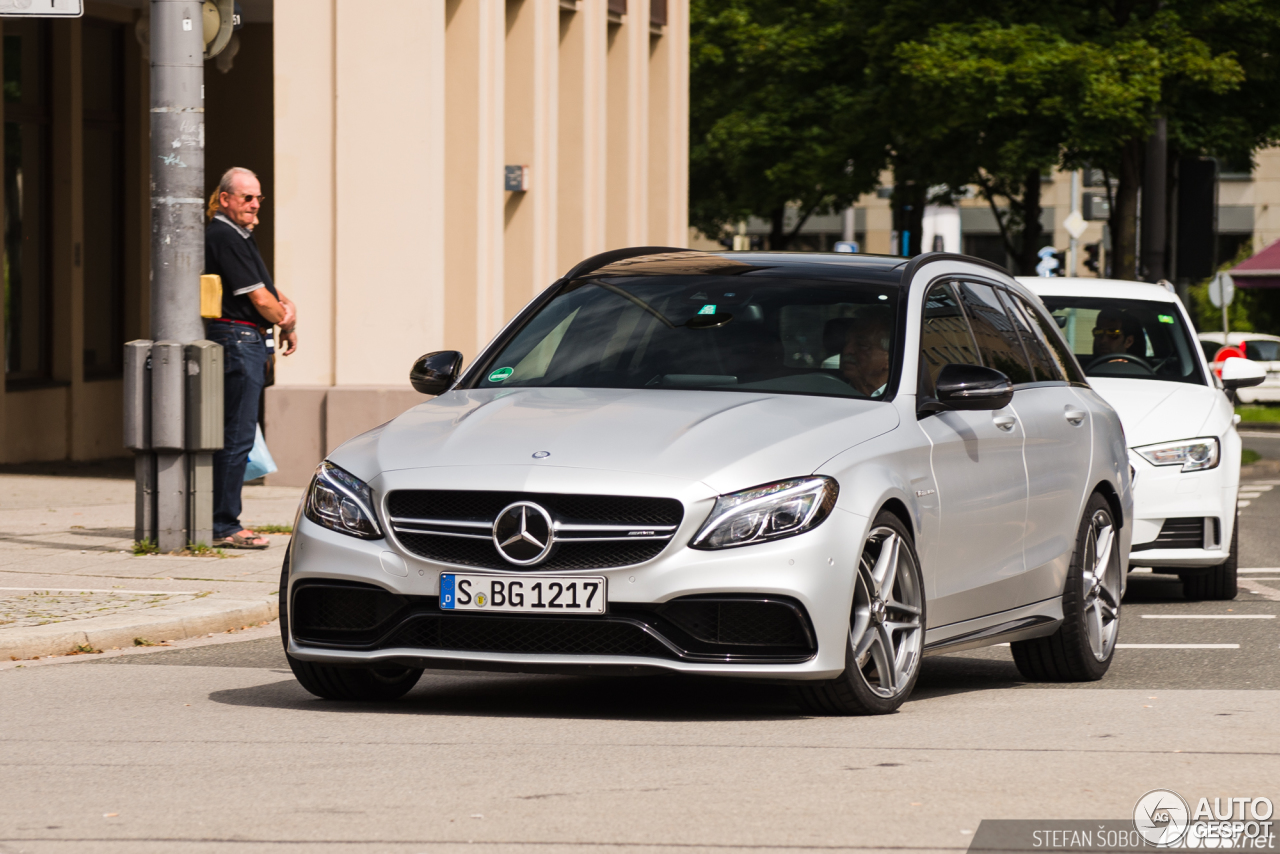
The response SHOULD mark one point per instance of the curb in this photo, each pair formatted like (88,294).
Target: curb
(171,622)
(1259,426)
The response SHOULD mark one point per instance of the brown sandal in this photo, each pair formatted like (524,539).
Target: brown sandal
(236,541)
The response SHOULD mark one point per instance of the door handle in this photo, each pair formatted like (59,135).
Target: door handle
(1004,422)
(1075,416)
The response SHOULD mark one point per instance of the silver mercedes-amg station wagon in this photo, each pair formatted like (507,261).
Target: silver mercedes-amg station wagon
(806,467)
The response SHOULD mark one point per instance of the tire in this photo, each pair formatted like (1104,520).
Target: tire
(1082,647)
(886,630)
(1220,582)
(331,682)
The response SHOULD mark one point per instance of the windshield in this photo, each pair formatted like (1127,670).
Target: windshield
(706,332)
(1134,339)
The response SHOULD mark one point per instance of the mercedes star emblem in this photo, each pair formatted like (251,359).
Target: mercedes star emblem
(523,533)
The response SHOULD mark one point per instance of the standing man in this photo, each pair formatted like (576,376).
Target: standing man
(251,305)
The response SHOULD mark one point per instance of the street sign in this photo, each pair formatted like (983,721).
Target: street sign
(1075,224)
(42,8)
(1221,290)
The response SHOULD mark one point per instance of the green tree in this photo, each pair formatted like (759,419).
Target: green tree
(771,90)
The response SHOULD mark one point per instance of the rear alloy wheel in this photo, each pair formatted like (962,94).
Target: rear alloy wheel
(1082,647)
(1219,583)
(331,682)
(886,630)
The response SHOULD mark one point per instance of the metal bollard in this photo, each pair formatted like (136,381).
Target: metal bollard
(204,408)
(168,387)
(137,435)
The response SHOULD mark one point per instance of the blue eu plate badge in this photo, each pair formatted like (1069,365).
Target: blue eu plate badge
(446,591)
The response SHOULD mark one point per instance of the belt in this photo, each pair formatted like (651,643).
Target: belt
(233,320)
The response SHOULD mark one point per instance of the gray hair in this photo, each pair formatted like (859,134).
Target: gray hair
(224,185)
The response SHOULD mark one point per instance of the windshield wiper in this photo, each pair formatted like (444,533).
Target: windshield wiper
(635,299)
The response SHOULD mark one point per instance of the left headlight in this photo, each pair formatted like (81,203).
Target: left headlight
(1192,454)
(342,502)
(768,512)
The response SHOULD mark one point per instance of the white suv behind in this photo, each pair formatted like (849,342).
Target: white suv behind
(1135,343)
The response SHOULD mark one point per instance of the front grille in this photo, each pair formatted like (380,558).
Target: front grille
(592,531)
(546,636)
(1181,533)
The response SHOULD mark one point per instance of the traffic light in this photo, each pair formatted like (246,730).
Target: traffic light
(1061,258)
(1091,257)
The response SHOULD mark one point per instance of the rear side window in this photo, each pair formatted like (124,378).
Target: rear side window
(1063,361)
(945,338)
(1262,351)
(998,341)
(1042,367)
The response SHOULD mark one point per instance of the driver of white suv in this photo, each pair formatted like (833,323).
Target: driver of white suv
(1117,332)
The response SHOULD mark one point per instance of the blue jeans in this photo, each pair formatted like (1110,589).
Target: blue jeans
(244,359)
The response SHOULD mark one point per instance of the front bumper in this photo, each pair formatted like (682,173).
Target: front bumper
(1164,497)
(814,571)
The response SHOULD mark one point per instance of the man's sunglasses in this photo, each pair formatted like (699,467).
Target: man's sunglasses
(248,197)
(1099,332)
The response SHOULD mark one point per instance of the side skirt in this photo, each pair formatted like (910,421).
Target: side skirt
(1028,621)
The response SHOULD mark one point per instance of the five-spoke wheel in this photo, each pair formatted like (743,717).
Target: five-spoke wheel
(1081,648)
(886,629)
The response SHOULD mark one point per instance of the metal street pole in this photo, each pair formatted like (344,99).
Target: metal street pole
(177,245)
(1073,250)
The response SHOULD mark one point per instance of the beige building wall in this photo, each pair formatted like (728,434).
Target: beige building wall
(394,232)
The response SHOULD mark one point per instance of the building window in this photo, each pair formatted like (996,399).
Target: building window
(26,199)
(102,64)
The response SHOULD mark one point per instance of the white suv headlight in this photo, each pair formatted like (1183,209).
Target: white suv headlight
(1191,454)
(342,502)
(768,512)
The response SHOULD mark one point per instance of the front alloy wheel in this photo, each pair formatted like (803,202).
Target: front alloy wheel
(886,630)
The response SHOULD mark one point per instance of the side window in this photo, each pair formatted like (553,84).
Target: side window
(945,337)
(1042,365)
(1058,349)
(997,339)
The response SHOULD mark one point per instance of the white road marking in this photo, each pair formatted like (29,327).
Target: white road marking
(1261,569)
(93,590)
(1249,495)
(1242,504)
(1208,616)
(1177,646)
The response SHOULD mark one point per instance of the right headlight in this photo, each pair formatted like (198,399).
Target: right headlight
(1191,454)
(342,502)
(768,512)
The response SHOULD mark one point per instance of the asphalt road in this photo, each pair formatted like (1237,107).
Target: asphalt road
(217,749)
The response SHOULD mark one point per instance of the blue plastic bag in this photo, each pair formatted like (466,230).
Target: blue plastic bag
(260,462)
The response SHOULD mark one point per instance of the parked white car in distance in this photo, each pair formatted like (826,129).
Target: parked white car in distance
(1257,347)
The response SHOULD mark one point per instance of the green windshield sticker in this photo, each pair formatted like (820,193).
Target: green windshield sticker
(707,309)
(501,374)
(1166,318)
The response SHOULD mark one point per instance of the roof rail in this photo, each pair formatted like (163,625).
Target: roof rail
(595,262)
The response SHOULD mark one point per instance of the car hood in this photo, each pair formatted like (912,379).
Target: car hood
(1157,411)
(728,440)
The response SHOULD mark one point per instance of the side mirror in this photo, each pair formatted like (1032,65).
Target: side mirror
(972,387)
(435,372)
(1242,373)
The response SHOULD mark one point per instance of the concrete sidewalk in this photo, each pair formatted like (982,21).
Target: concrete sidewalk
(69,580)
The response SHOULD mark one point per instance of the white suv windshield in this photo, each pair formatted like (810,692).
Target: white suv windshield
(1134,339)
(707,332)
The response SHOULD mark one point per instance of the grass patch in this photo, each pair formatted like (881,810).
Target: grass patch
(1256,414)
(83,649)
(144,642)
(145,547)
(1248,457)
(273,529)
(201,550)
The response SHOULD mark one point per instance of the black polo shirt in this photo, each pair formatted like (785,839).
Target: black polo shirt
(229,252)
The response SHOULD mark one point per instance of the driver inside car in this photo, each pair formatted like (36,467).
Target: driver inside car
(864,355)
(1117,332)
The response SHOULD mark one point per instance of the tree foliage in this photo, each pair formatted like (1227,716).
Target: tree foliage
(948,93)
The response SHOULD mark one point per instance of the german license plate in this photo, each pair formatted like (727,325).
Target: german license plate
(540,595)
